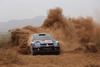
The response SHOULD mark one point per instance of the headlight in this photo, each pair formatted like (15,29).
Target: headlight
(32,42)
(56,44)
(37,45)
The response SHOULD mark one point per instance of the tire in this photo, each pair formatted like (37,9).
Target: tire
(58,51)
(34,52)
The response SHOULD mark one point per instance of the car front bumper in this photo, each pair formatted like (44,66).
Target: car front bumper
(47,50)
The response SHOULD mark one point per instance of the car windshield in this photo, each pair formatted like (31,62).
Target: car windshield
(46,37)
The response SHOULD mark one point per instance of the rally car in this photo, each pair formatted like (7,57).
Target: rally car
(44,43)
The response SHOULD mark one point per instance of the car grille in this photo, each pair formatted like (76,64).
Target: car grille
(48,44)
(43,44)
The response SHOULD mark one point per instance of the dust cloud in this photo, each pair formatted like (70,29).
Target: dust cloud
(72,33)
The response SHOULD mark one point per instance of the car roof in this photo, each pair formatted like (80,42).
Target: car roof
(40,34)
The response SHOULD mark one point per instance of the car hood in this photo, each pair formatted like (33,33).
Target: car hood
(43,41)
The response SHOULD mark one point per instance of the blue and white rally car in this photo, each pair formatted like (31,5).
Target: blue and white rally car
(44,43)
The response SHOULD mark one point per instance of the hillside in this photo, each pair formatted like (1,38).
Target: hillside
(37,21)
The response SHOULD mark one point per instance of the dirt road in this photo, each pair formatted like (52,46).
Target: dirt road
(62,60)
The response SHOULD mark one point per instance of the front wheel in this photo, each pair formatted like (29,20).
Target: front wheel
(57,53)
(34,52)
